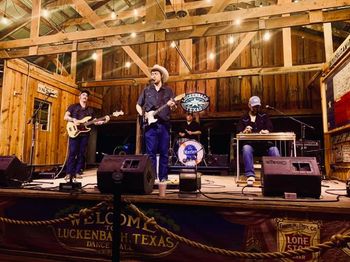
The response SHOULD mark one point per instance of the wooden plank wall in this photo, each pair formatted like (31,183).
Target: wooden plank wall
(228,96)
(18,90)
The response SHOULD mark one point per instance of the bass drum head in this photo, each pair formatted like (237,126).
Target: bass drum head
(190,153)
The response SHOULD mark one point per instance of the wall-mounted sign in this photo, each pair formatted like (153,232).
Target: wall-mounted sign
(195,102)
(45,90)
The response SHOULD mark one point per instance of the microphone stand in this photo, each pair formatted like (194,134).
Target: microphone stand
(33,120)
(303,126)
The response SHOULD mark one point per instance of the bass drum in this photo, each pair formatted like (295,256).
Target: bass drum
(190,153)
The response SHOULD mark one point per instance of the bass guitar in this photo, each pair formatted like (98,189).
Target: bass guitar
(82,126)
(149,117)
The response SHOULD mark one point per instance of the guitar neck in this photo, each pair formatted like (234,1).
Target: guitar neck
(160,109)
(95,120)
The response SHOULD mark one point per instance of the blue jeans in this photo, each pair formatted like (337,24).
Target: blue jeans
(76,154)
(157,141)
(248,158)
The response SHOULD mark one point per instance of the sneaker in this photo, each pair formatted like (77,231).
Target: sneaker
(250,181)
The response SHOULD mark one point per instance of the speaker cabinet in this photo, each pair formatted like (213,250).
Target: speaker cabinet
(190,180)
(298,175)
(137,174)
(12,171)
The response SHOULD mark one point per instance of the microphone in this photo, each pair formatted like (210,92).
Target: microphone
(269,107)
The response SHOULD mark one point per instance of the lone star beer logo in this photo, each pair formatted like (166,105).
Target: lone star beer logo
(293,235)
(195,102)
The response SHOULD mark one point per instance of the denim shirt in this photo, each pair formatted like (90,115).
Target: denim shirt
(151,99)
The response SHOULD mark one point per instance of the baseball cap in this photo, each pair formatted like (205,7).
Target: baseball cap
(254,101)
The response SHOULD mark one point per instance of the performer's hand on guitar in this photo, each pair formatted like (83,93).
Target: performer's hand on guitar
(171,102)
(101,122)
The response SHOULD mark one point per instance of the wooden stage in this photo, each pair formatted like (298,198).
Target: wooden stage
(222,214)
(215,191)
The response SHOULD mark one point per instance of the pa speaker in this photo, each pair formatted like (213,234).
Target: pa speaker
(12,171)
(136,171)
(299,175)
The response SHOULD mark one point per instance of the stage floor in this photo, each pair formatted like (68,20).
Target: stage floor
(215,191)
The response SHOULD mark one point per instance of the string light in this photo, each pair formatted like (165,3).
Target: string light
(113,14)
(231,40)
(133,34)
(127,64)
(267,36)
(94,56)
(238,21)
(173,44)
(45,13)
(211,55)
(4,19)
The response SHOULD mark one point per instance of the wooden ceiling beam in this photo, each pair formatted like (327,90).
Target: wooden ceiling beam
(212,75)
(198,20)
(84,9)
(238,50)
(60,46)
(125,14)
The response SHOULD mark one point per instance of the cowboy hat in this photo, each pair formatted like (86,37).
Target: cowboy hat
(163,72)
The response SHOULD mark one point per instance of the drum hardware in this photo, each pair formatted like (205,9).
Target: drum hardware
(171,152)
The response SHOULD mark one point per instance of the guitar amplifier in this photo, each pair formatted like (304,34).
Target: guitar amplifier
(299,175)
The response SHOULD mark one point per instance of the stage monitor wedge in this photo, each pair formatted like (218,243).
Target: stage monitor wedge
(12,171)
(136,171)
(299,175)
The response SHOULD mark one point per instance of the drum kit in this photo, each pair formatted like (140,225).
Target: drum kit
(190,152)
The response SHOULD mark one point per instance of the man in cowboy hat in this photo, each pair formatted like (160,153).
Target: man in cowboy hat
(156,134)
(259,122)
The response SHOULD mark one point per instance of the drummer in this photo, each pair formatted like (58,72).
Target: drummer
(190,129)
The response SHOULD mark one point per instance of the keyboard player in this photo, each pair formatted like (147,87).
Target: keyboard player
(255,121)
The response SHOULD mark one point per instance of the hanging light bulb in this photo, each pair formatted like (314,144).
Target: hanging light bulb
(113,15)
(5,20)
(128,64)
(173,44)
(45,13)
(94,56)
(267,36)
(231,40)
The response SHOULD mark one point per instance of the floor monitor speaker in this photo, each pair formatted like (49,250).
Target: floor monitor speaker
(137,173)
(299,175)
(12,171)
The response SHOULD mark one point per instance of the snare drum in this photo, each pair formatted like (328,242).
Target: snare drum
(190,153)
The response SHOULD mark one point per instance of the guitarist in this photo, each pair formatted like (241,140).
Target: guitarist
(77,145)
(157,135)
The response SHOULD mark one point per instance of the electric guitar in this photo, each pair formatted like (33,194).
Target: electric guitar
(149,117)
(82,127)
